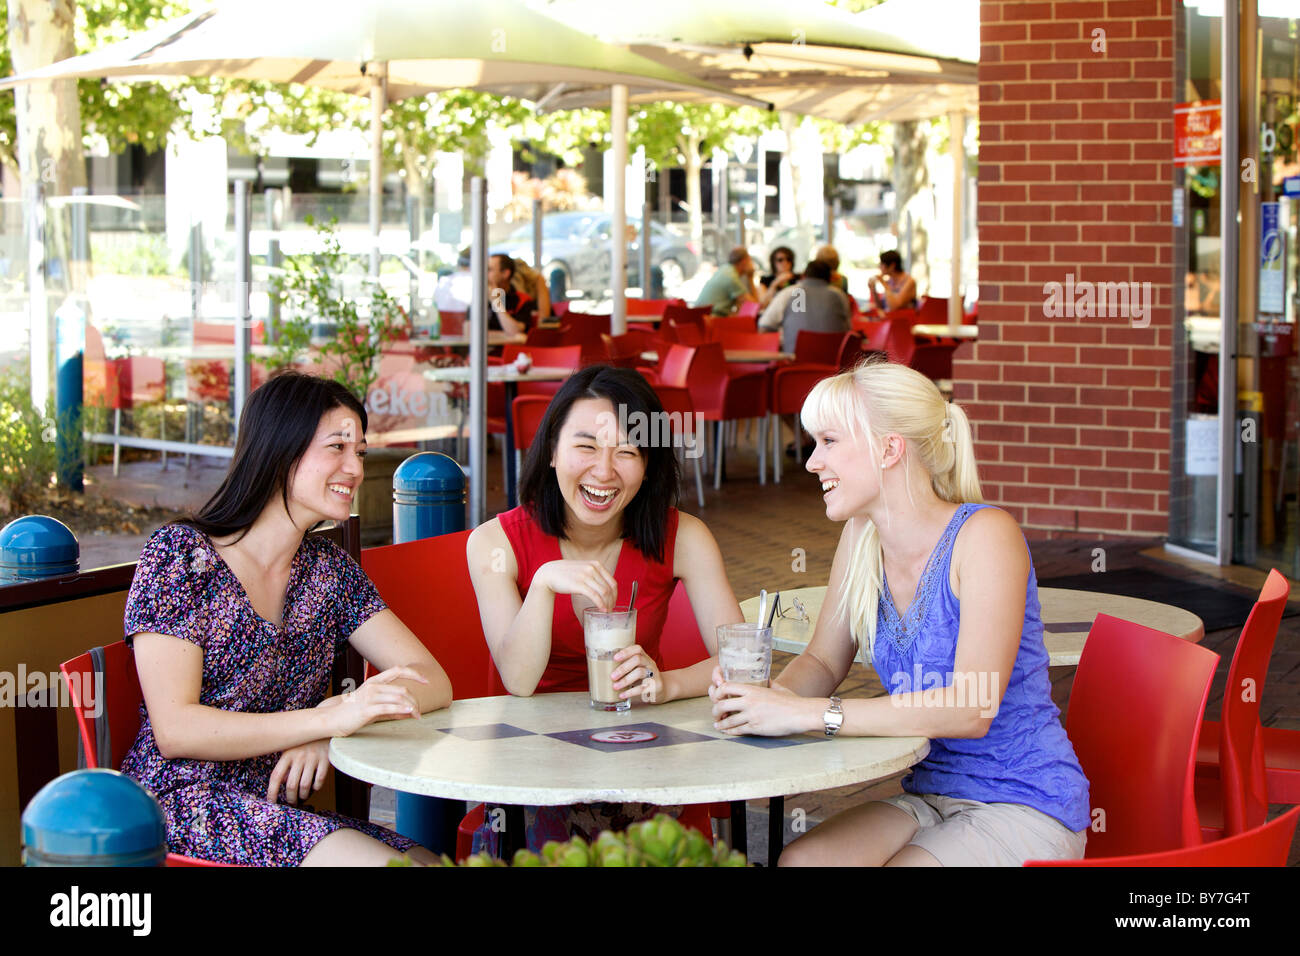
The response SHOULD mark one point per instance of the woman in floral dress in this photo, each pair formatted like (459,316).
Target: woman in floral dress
(235,616)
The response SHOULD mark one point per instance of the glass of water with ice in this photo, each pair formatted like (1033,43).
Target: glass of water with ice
(745,653)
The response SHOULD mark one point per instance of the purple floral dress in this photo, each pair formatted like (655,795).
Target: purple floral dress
(217,810)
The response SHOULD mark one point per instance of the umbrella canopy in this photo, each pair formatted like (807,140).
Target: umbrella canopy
(501,46)
(805,58)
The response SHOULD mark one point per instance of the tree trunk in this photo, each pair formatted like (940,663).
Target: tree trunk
(910,144)
(789,124)
(48,115)
(693,165)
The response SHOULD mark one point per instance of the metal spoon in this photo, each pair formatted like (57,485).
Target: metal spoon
(631,605)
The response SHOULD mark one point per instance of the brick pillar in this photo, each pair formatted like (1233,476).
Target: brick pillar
(1071,411)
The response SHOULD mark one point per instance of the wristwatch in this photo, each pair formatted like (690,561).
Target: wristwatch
(834,717)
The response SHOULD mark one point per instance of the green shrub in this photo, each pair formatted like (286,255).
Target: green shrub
(28,452)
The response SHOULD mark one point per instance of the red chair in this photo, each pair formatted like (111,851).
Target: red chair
(731,324)
(651,306)
(933,311)
(1265,845)
(451,322)
(790,387)
(681,413)
(748,310)
(132,381)
(105,739)
(547,338)
(750,342)
(673,368)
(722,397)
(528,412)
(818,348)
(687,333)
(850,351)
(1135,711)
(586,328)
(688,313)
(1239,760)
(625,350)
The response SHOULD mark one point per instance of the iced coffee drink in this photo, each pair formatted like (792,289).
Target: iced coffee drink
(605,634)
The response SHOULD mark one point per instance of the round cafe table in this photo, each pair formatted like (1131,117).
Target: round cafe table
(1067,618)
(539,751)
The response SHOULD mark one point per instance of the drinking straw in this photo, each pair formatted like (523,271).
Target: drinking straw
(631,605)
(776,602)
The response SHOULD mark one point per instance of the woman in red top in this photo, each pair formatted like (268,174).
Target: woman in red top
(597,513)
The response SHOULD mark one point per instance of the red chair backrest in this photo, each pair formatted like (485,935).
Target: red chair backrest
(1266,845)
(751,341)
(1134,715)
(748,310)
(933,311)
(681,644)
(850,350)
(107,708)
(708,376)
(899,342)
(727,324)
(561,356)
(135,380)
(451,322)
(818,348)
(675,365)
(587,328)
(1241,740)
(426,583)
(528,410)
(651,306)
(791,385)
(548,338)
(687,333)
(681,414)
(684,313)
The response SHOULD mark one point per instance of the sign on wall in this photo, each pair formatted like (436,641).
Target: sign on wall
(1198,133)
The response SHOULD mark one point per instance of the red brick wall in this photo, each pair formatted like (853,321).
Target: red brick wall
(1071,415)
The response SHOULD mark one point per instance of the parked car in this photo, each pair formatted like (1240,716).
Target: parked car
(578,244)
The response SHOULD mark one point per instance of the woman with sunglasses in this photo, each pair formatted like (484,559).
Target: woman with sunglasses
(782,275)
(938,591)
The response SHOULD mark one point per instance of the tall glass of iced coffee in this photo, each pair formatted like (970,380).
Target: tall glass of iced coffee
(606,633)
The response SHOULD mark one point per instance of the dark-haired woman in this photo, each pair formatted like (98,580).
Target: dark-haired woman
(235,616)
(597,513)
(782,275)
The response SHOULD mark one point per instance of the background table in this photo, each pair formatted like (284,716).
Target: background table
(537,751)
(1067,618)
(736,355)
(948,332)
(509,376)
(462,341)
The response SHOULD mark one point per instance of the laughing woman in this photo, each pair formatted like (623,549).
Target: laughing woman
(235,617)
(936,585)
(597,514)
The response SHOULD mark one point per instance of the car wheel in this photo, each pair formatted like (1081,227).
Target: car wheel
(673,274)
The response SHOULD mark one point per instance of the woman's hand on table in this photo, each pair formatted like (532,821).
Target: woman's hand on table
(301,770)
(591,579)
(377,699)
(637,675)
(774,711)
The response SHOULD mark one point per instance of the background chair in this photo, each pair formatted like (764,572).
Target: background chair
(133,381)
(790,387)
(1266,845)
(677,403)
(722,397)
(1135,711)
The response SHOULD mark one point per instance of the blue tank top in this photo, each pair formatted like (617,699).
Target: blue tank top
(1025,757)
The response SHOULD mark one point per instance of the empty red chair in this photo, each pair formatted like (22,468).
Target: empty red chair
(106,738)
(748,310)
(674,366)
(751,341)
(677,403)
(547,338)
(1235,766)
(850,350)
(790,387)
(625,350)
(721,397)
(528,412)
(728,324)
(1135,711)
(1266,845)
(451,322)
(651,306)
(687,333)
(818,348)
(933,311)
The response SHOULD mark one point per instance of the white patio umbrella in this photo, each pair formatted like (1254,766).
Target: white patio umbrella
(392,49)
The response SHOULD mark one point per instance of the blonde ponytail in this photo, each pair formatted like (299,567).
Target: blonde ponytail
(877,399)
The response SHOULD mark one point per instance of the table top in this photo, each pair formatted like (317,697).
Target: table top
(462,341)
(1067,618)
(203,351)
(947,332)
(498,373)
(537,751)
(736,355)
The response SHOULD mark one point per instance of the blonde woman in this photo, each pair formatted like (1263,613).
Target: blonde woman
(940,592)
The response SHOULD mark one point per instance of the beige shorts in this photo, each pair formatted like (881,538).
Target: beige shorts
(969,833)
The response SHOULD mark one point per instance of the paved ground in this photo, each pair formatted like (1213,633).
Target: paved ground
(763,532)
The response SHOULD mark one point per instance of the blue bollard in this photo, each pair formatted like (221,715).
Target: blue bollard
(69,349)
(428,500)
(559,287)
(94,818)
(35,547)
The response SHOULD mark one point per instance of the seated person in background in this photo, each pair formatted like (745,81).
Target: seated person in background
(782,275)
(730,285)
(893,288)
(235,616)
(813,305)
(596,514)
(529,281)
(455,291)
(831,257)
(509,310)
(938,591)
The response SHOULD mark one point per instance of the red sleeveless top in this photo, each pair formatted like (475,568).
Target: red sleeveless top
(567,668)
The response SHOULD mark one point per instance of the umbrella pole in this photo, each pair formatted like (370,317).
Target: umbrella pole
(618,237)
(478,436)
(378,73)
(956,139)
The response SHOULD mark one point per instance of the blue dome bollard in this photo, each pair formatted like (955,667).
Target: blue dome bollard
(428,497)
(35,547)
(428,500)
(94,818)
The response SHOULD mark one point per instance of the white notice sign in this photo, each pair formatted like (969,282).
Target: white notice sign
(1202,445)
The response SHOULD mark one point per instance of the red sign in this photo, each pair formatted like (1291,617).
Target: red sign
(1198,133)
